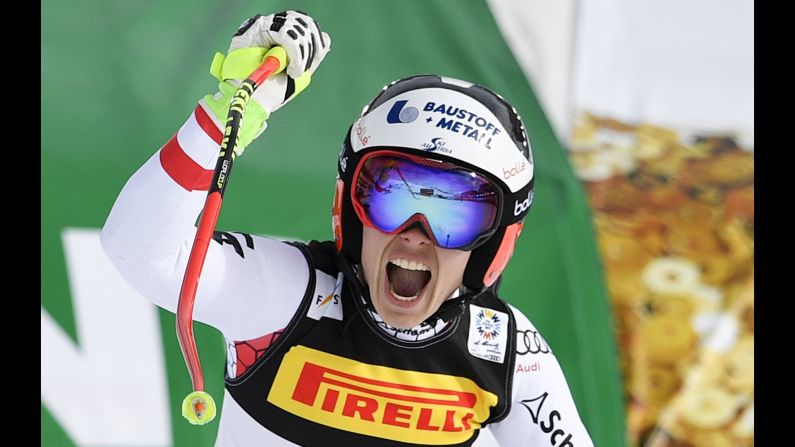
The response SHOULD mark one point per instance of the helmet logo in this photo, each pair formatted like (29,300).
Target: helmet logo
(361,134)
(514,170)
(461,121)
(520,207)
(399,114)
(437,144)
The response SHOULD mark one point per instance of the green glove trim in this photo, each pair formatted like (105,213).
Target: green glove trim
(215,66)
(301,83)
(253,121)
(240,63)
(237,66)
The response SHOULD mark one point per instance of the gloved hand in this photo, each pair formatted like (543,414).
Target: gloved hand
(306,47)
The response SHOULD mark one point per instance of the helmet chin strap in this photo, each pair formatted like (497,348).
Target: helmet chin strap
(451,308)
(357,287)
(357,284)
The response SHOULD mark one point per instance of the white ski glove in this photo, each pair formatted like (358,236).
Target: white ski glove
(306,47)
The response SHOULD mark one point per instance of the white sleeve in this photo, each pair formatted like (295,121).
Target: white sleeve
(250,285)
(542,411)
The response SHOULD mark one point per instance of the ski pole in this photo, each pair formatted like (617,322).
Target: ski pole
(198,407)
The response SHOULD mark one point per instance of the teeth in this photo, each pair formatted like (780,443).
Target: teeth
(401,297)
(410,265)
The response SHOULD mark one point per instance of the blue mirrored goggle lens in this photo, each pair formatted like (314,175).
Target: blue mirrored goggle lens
(459,205)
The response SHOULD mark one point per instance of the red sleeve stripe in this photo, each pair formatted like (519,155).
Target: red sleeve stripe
(180,155)
(208,125)
(182,169)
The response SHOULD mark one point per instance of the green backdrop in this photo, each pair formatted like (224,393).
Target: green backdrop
(119,77)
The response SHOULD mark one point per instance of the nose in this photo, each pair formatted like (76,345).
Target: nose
(416,236)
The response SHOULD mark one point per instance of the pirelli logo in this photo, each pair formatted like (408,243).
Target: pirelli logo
(407,406)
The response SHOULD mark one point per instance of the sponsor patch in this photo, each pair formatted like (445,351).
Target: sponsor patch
(557,436)
(403,406)
(327,302)
(487,333)
(401,114)
(437,144)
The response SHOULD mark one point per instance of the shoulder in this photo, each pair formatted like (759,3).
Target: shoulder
(267,255)
(528,338)
(247,244)
(323,256)
(270,266)
(325,285)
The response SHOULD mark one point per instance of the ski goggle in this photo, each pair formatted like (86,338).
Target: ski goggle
(458,208)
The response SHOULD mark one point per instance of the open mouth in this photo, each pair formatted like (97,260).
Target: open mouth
(407,279)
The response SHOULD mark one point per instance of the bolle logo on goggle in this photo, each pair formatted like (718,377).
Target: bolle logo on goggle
(399,113)
(521,207)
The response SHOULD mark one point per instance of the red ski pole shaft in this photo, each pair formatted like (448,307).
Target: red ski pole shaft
(200,402)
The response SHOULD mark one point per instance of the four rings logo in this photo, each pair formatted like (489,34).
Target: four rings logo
(373,400)
(530,342)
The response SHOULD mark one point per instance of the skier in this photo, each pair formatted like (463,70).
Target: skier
(393,333)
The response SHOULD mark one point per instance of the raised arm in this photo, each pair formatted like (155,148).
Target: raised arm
(249,284)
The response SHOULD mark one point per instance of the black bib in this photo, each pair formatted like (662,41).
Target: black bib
(345,382)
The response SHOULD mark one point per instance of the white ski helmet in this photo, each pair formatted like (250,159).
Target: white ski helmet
(452,121)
